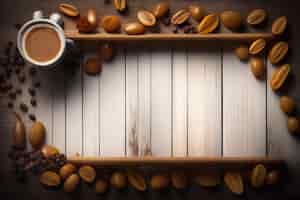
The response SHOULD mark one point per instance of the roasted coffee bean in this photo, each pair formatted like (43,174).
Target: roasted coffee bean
(31,92)
(180,17)
(33,102)
(32,71)
(12,95)
(10,105)
(18,91)
(68,10)
(32,117)
(23,107)
(22,78)
(37,84)
(17,71)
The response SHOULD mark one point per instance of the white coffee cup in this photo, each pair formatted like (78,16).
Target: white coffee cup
(54,22)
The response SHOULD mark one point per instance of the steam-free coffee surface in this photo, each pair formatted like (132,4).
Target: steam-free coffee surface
(42,44)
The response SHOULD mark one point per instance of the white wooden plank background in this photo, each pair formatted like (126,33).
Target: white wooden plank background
(169,102)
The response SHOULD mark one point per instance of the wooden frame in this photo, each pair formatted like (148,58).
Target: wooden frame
(167,37)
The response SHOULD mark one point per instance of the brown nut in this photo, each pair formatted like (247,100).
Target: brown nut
(279,76)
(19,133)
(146,18)
(49,150)
(208,24)
(179,180)
(278,52)
(118,180)
(37,135)
(159,182)
(101,186)
(66,170)
(87,173)
(92,66)
(180,17)
(256,17)
(68,10)
(71,183)
(111,23)
(279,25)
(257,66)
(273,177)
(293,125)
(161,9)
(231,19)
(134,28)
(208,180)
(257,46)
(84,26)
(120,5)
(234,182)
(258,176)
(106,52)
(137,180)
(197,12)
(50,179)
(287,104)
(242,52)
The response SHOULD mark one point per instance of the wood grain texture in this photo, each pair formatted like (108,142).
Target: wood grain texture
(180,104)
(161,102)
(168,37)
(244,109)
(132,111)
(74,111)
(204,101)
(112,107)
(90,106)
(144,101)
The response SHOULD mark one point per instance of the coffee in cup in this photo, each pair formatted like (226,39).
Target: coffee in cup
(42,44)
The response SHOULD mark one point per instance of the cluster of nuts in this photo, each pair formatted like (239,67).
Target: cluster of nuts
(276,56)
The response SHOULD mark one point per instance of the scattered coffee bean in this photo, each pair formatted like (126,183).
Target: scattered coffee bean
(33,102)
(31,92)
(10,105)
(32,71)
(12,95)
(23,107)
(17,71)
(22,78)
(32,117)
(19,91)
(37,84)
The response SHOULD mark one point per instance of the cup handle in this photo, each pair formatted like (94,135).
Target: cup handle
(56,18)
(38,14)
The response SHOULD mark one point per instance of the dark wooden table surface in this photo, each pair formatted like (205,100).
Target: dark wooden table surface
(18,11)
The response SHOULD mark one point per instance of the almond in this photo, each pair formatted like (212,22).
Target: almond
(137,180)
(146,18)
(258,176)
(50,179)
(111,23)
(87,173)
(257,17)
(257,46)
(49,150)
(134,28)
(208,24)
(161,9)
(19,133)
(231,19)
(71,183)
(66,170)
(234,182)
(279,25)
(242,52)
(279,76)
(197,12)
(278,52)
(68,10)
(180,17)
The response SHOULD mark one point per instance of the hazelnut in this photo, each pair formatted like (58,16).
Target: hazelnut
(293,125)
(111,23)
(287,104)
